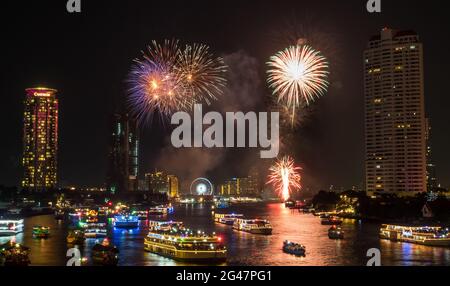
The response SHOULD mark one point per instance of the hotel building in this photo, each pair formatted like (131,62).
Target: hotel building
(40,139)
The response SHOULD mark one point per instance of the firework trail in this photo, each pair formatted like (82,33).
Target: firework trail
(285,176)
(298,75)
(168,79)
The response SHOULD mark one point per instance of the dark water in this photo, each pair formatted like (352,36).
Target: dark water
(244,248)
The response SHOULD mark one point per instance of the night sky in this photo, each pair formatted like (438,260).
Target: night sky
(87,58)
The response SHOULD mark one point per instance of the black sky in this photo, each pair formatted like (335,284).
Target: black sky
(87,57)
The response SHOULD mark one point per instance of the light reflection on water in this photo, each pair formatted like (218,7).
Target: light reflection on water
(244,248)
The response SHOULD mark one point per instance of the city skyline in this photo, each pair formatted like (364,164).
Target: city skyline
(229,139)
(315,134)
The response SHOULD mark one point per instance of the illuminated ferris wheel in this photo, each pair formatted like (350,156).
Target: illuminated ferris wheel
(201,187)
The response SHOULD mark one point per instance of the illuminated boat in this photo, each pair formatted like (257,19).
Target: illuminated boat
(15,211)
(331,221)
(103,211)
(105,254)
(425,235)
(227,219)
(294,248)
(14,254)
(156,211)
(335,232)
(10,227)
(165,226)
(254,226)
(161,210)
(141,215)
(41,231)
(91,219)
(75,214)
(75,237)
(222,204)
(79,213)
(186,201)
(95,230)
(126,221)
(172,240)
(290,204)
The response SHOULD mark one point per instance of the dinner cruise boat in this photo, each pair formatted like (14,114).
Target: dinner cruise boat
(161,210)
(10,227)
(227,219)
(172,240)
(425,235)
(95,230)
(165,226)
(254,226)
(141,215)
(126,221)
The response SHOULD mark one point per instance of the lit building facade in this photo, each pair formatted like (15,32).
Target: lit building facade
(245,187)
(229,188)
(123,161)
(159,182)
(174,186)
(394,113)
(40,139)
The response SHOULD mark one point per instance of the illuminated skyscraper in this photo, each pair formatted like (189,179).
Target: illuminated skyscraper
(40,139)
(394,113)
(174,186)
(432,183)
(123,155)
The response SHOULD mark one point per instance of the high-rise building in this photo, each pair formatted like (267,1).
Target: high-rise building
(40,139)
(230,188)
(245,187)
(174,186)
(158,182)
(432,183)
(123,165)
(394,113)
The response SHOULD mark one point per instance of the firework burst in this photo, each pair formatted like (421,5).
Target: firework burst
(298,75)
(168,79)
(201,74)
(285,177)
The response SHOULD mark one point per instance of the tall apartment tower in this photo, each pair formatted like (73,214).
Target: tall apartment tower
(123,161)
(432,183)
(395,127)
(40,139)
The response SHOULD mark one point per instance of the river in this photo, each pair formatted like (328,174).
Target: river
(245,249)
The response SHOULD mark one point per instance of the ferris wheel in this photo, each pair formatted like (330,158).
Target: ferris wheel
(201,187)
